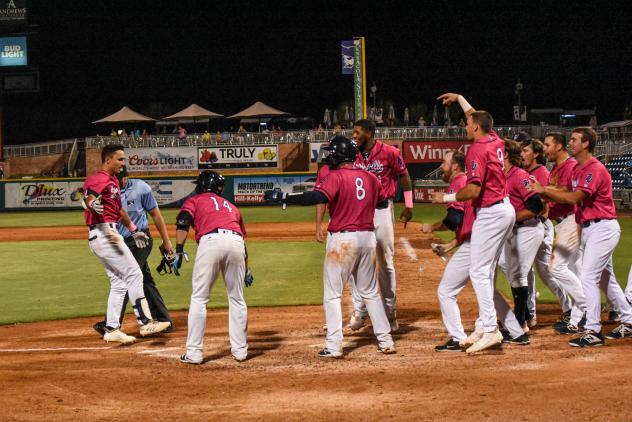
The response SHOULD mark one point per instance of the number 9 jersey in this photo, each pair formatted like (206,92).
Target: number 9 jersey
(353,195)
(211,212)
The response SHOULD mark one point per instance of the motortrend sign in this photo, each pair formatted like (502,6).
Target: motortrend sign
(238,157)
(160,159)
(12,12)
(431,151)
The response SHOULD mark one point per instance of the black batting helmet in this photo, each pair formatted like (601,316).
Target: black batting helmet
(341,150)
(209,181)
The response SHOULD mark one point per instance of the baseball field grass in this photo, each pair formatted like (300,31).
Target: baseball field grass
(44,280)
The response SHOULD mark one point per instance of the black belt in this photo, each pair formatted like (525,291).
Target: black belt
(596,220)
(542,219)
(497,202)
(94,226)
(560,219)
(352,231)
(216,231)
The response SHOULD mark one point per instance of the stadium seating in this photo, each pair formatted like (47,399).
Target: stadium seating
(620,169)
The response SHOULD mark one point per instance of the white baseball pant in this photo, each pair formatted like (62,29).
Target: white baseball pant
(219,252)
(503,311)
(542,262)
(628,288)
(598,243)
(520,251)
(122,270)
(384,224)
(566,263)
(350,257)
(489,233)
(455,277)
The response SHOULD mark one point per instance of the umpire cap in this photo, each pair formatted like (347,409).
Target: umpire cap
(341,150)
(209,181)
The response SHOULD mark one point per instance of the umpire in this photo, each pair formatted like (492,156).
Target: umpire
(138,200)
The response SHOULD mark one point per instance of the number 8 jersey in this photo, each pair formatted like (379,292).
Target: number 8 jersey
(211,212)
(353,195)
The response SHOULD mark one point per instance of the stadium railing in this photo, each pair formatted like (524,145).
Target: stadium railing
(43,148)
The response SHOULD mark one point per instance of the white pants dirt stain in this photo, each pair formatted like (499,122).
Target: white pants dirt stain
(385,251)
(489,233)
(217,253)
(351,257)
(122,270)
(598,243)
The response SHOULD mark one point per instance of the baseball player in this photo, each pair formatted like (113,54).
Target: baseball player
(595,212)
(527,234)
(534,161)
(386,162)
(628,287)
(566,254)
(103,210)
(486,188)
(137,200)
(460,218)
(219,232)
(353,196)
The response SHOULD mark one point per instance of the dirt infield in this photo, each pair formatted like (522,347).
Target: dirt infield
(62,370)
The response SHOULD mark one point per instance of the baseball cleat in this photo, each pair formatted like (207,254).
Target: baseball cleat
(356,321)
(613,316)
(99,327)
(532,322)
(486,341)
(525,327)
(117,336)
(170,328)
(325,353)
(471,339)
(451,346)
(394,324)
(240,358)
(389,350)
(568,329)
(522,340)
(154,327)
(565,318)
(588,339)
(185,359)
(622,331)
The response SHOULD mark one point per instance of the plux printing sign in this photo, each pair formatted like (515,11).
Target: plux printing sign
(13,51)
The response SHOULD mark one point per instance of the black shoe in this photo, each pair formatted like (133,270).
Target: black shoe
(568,329)
(613,316)
(169,329)
(451,346)
(565,318)
(99,327)
(327,354)
(588,339)
(622,331)
(522,340)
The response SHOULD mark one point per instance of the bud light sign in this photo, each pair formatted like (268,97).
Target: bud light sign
(13,51)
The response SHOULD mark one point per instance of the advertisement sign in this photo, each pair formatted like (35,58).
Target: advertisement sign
(237,157)
(161,159)
(170,192)
(249,190)
(13,51)
(347,52)
(432,151)
(12,12)
(425,194)
(43,194)
(314,148)
(359,78)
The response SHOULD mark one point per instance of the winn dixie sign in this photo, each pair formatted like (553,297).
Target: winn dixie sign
(432,151)
(238,157)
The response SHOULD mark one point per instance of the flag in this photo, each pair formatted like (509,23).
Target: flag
(347,54)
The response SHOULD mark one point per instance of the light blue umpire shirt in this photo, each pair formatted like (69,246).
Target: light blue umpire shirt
(138,200)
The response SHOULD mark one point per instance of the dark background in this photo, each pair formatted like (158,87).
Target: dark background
(159,56)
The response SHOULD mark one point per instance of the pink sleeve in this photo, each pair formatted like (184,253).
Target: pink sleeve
(329,186)
(189,206)
(476,165)
(524,192)
(586,182)
(399,166)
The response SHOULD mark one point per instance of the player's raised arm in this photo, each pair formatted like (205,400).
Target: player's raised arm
(450,97)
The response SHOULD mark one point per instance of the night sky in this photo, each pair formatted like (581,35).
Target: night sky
(96,56)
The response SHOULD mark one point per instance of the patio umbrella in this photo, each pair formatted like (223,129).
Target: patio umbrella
(446,117)
(259,109)
(125,114)
(335,118)
(391,112)
(194,112)
(406,116)
(435,116)
(327,118)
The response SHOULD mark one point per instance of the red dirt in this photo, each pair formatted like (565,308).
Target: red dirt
(285,379)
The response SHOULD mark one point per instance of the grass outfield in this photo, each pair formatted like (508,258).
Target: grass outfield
(62,279)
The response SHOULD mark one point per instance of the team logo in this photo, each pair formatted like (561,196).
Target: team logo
(473,166)
(589,178)
(400,162)
(525,182)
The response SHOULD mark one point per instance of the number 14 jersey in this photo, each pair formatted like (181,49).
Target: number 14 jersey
(353,195)
(211,212)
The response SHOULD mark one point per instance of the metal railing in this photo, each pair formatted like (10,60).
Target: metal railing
(44,148)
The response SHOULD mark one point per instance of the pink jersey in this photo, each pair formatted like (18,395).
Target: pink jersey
(517,182)
(104,184)
(386,162)
(484,162)
(211,212)
(593,179)
(322,174)
(464,231)
(353,195)
(457,183)
(541,174)
(561,177)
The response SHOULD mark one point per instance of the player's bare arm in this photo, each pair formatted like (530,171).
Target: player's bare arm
(320,213)
(407,187)
(469,191)
(557,195)
(450,98)
(156,215)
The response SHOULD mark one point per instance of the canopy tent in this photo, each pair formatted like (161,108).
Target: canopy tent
(194,112)
(259,109)
(125,114)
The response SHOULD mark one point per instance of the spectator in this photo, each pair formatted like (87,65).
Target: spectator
(206,137)
(137,133)
(320,128)
(421,122)
(241,129)
(113,133)
(145,135)
(182,132)
(1,172)
(123,133)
